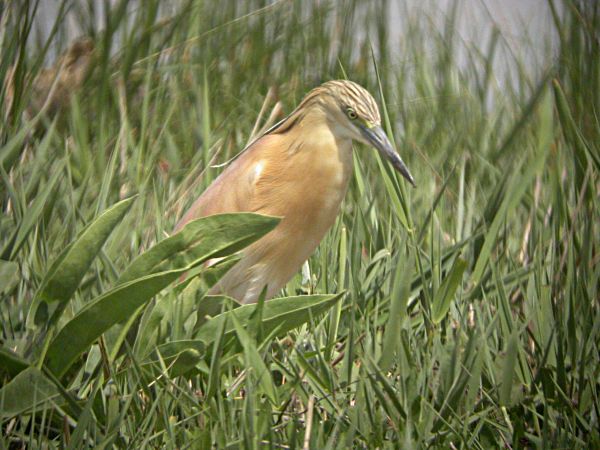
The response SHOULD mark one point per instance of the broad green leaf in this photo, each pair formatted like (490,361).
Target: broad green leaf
(200,240)
(99,315)
(148,331)
(64,276)
(286,313)
(444,295)
(208,237)
(11,363)
(28,389)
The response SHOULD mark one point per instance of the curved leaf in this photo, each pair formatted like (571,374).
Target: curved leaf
(28,389)
(11,363)
(102,313)
(65,274)
(200,240)
(205,238)
(284,314)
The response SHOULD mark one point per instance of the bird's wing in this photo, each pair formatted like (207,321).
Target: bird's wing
(235,189)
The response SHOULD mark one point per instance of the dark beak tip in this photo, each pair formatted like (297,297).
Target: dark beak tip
(411,181)
(407,175)
(378,139)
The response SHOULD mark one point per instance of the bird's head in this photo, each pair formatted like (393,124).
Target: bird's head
(356,116)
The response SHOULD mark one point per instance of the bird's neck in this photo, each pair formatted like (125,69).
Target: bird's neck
(317,131)
(309,115)
(313,116)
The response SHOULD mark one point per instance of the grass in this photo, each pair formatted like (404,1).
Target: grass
(467,308)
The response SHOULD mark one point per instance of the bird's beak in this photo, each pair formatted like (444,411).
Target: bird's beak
(378,139)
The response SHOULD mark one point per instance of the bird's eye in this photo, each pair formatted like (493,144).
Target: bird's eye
(351,114)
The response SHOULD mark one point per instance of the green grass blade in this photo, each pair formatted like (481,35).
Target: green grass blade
(254,361)
(445,293)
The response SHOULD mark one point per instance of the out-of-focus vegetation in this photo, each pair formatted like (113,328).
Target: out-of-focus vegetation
(460,314)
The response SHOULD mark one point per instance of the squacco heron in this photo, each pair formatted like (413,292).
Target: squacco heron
(299,170)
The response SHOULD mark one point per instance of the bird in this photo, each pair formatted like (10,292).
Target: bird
(298,170)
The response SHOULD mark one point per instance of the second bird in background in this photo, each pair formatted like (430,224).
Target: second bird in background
(298,170)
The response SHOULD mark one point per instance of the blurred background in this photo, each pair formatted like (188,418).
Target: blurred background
(525,26)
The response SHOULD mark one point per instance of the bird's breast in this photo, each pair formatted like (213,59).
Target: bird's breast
(304,182)
(307,194)
(321,171)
